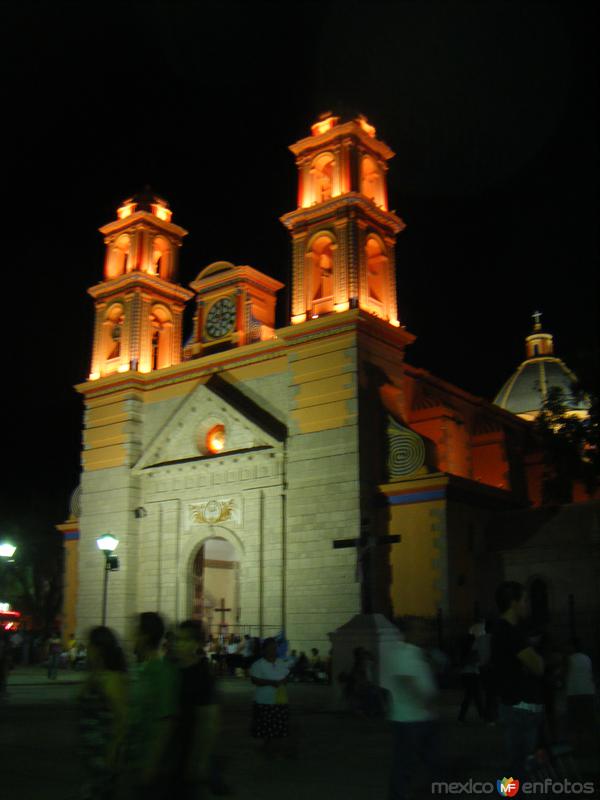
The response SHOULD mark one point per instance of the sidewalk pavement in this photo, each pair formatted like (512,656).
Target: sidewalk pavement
(341,756)
(37,675)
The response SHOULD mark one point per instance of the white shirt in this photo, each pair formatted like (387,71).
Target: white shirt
(268,671)
(407,660)
(580,678)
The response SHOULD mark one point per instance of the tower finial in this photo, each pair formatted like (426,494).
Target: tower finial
(537,320)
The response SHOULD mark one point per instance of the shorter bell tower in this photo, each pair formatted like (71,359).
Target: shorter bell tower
(234,306)
(343,233)
(139,304)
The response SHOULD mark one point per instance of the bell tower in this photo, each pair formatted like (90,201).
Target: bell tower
(139,304)
(342,231)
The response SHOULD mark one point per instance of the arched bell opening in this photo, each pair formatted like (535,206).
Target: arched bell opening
(161,326)
(377,271)
(322,173)
(371,181)
(117,260)
(114,322)
(321,275)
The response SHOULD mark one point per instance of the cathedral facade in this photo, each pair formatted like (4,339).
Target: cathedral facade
(251,472)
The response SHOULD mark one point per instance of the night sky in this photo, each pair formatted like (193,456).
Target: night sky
(490,108)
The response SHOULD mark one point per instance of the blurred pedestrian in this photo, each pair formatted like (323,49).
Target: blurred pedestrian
(153,712)
(300,670)
(54,651)
(270,715)
(246,653)
(483,645)
(581,696)
(407,676)
(198,719)
(16,644)
(4,656)
(103,723)
(518,670)
(470,679)
(362,693)
(72,650)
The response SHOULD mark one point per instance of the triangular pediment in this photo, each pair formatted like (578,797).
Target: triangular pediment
(183,436)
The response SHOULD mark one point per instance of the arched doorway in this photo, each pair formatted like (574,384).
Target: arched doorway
(215,585)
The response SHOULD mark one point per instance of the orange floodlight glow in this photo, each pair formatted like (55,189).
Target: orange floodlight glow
(215,439)
(161,212)
(94,376)
(323,125)
(298,318)
(123,368)
(126,210)
(341,306)
(368,129)
(395,323)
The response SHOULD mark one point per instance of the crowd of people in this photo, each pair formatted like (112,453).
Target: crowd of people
(511,674)
(153,731)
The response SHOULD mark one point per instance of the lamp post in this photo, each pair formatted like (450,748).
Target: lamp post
(108,544)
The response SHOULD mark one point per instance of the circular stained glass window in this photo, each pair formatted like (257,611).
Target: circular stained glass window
(215,439)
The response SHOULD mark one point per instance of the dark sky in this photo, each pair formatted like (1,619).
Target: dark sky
(490,108)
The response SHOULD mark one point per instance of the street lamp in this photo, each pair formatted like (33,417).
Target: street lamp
(108,544)
(7,550)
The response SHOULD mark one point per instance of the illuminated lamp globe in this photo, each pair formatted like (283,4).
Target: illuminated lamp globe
(215,439)
(7,550)
(107,543)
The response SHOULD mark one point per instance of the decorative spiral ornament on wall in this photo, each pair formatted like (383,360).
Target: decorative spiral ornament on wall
(406,450)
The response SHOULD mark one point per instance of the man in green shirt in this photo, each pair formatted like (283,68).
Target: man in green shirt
(154,710)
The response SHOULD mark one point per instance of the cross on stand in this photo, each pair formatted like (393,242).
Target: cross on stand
(222,611)
(364,544)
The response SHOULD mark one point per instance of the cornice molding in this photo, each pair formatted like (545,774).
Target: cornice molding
(142,217)
(334,136)
(143,281)
(343,203)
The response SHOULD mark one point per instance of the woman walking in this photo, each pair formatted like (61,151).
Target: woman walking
(103,702)
(270,719)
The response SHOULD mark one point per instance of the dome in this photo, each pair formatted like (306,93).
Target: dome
(526,390)
(214,269)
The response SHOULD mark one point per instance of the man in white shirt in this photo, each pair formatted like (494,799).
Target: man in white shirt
(408,678)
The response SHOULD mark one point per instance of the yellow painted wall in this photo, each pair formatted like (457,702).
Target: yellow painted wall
(323,381)
(70,589)
(105,435)
(414,572)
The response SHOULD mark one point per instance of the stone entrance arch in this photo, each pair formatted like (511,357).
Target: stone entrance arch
(211,577)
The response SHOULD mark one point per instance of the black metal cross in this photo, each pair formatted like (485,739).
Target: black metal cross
(222,610)
(364,544)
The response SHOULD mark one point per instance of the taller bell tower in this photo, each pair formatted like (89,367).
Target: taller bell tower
(342,231)
(139,304)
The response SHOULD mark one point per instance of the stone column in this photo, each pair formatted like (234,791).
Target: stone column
(392,305)
(98,331)
(299,300)
(145,332)
(361,263)
(168,550)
